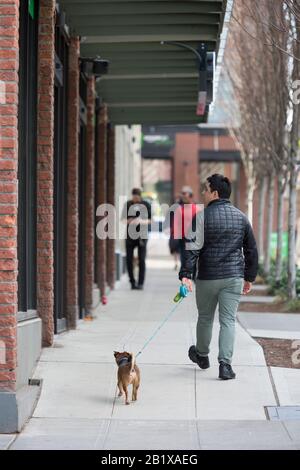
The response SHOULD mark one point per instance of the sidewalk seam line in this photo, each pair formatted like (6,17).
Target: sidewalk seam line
(110,420)
(286,429)
(195,392)
(12,442)
(273,386)
(196,410)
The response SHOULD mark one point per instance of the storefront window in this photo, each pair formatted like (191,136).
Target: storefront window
(27,159)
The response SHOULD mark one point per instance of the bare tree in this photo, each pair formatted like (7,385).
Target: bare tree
(259,73)
(293,158)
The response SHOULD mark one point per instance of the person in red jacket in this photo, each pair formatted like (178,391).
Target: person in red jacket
(183,217)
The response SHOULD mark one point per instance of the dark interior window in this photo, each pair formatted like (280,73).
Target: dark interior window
(60,177)
(27,156)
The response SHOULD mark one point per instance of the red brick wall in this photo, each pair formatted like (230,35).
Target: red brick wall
(45,176)
(186,163)
(72,209)
(218,142)
(90,198)
(9,51)
(206,142)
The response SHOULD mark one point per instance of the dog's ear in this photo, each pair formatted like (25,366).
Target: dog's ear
(116,353)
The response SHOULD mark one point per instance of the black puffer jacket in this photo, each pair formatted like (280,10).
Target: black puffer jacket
(229,247)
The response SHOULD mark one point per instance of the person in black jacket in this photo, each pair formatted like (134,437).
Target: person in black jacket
(137,215)
(223,249)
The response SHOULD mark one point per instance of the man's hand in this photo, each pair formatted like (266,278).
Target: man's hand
(247,287)
(188,283)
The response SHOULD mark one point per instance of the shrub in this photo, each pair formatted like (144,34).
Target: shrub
(280,287)
(293,305)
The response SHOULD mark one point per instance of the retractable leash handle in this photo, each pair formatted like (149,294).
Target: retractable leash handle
(183,292)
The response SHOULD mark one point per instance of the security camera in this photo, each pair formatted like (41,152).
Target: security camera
(94,66)
(100,67)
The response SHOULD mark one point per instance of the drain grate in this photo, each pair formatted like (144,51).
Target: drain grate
(34,382)
(283,413)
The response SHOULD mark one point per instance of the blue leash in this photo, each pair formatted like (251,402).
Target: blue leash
(183,292)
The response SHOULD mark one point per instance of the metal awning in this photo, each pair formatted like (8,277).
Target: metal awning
(147,82)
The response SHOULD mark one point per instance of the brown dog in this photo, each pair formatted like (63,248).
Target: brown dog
(128,374)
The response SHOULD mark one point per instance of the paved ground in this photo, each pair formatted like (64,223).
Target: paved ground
(179,406)
(271,325)
(6,440)
(282,326)
(259,299)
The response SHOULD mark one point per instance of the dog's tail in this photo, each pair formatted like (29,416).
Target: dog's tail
(132,362)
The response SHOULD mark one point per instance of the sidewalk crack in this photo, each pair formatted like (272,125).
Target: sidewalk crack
(196,409)
(109,422)
(13,440)
(273,386)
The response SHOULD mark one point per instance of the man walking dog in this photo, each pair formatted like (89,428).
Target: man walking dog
(227,261)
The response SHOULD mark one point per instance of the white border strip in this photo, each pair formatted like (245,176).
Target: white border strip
(221,52)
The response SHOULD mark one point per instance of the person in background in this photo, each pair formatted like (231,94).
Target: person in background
(183,217)
(173,243)
(137,215)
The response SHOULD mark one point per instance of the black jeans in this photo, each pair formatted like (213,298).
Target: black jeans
(181,245)
(141,244)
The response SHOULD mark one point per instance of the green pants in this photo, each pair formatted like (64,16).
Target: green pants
(226,293)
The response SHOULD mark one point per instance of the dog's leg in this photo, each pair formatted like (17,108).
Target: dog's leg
(134,392)
(126,395)
(120,389)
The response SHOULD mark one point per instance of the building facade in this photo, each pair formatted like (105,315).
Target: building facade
(62,153)
(195,152)
(60,158)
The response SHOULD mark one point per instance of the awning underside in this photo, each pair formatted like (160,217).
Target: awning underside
(147,82)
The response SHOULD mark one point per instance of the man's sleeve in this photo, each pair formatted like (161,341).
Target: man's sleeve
(193,245)
(250,254)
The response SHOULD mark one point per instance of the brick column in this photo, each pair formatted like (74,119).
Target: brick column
(186,163)
(102,196)
(9,64)
(45,176)
(111,257)
(90,196)
(72,209)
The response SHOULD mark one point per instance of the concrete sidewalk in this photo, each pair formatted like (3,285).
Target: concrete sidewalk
(271,325)
(285,380)
(179,406)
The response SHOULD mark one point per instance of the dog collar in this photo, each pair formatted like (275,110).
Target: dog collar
(124,360)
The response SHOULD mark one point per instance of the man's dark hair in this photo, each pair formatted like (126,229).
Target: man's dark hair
(221,184)
(136,192)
